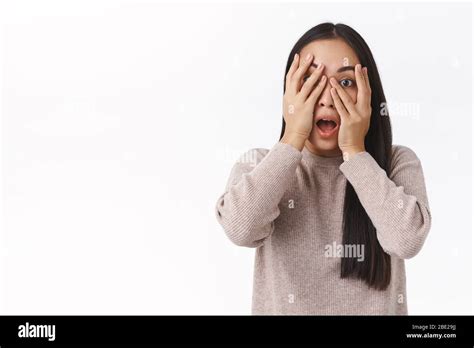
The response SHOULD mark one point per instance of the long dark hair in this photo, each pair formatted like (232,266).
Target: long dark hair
(358,229)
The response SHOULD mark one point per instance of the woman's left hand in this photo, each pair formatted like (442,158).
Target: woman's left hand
(355,118)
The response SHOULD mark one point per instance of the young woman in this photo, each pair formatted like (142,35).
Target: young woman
(333,208)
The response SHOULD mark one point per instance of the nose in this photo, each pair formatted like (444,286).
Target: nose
(325,99)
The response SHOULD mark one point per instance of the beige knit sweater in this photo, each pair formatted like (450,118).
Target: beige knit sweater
(288,204)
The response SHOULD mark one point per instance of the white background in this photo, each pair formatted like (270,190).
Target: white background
(121,121)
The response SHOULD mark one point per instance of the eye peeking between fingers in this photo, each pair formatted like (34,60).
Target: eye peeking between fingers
(346,83)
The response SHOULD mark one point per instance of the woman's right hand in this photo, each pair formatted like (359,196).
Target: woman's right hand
(300,99)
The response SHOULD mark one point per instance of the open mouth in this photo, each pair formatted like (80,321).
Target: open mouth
(326,126)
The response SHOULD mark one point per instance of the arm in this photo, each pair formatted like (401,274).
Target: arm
(397,206)
(249,205)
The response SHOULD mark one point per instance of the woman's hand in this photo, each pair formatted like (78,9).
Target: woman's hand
(299,101)
(355,118)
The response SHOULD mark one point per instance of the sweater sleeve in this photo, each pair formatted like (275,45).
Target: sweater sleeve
(397,206)
(248,207)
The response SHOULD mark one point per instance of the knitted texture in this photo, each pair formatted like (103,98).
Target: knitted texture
(288,205)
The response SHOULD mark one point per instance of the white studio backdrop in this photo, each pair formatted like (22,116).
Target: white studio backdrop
(121,121)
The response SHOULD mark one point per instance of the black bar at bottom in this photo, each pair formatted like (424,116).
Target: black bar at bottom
(291,330)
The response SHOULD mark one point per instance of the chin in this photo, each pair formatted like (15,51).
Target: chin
(329,145)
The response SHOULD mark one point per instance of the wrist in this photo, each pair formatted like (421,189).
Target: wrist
(349,152)
(296,140)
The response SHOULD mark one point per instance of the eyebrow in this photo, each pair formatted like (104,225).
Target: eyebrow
(342,69)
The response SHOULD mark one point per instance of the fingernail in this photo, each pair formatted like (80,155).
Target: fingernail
(296,56)
(308,57)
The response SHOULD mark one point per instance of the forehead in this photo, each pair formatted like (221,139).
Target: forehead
(333,53)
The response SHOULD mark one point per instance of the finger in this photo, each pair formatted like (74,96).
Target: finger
(317,91)
(361,71)
(367,81)
(291,71)
(361,85)
(347,101)
(303,67)
(368,91)
(339,106)
(308,85)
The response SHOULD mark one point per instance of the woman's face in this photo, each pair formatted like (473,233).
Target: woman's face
(339,60)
